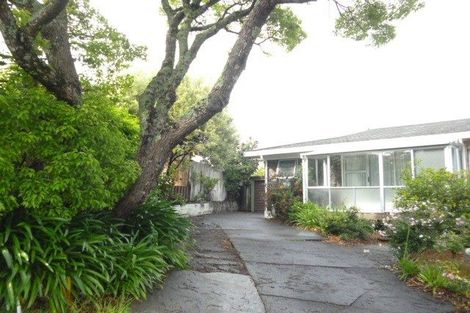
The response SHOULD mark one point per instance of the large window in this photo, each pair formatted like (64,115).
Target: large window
(317,172)
(429,158)
(395,164)
(354,170)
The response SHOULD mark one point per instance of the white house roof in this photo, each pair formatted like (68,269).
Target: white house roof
(408,135)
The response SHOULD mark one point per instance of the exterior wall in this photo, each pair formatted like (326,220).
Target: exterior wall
(218,193)
(259,195)
(197,209)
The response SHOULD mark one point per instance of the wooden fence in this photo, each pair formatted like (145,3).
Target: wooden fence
(182,191)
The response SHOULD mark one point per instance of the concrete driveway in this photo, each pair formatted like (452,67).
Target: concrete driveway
(294,271)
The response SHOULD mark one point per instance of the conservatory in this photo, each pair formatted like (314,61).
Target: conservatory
(367,180)
(364,170)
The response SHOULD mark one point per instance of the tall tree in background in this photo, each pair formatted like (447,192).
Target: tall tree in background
(46,37)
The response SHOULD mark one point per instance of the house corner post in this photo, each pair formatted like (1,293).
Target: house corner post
(304,178)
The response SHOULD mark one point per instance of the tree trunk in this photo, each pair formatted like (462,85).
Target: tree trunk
(152,158)
(155,152)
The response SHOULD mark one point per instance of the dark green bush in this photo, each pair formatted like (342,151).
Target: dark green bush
(281,196)
(57,260)
(171,230)
(348,225)
(435,212)
(344,223)
(57,160)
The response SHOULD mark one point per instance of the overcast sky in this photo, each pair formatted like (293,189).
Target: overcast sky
(330,86)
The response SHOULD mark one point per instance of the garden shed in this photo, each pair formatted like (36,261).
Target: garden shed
(365,169)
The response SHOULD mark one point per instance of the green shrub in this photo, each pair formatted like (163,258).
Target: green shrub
(435,210)
(56,260)
(309,215)
(348,225)
(137,266)
(281,196)
(408,268)
(207,184)
(407,238)
(56,160)
(344,223)
(170,229)
(43,258)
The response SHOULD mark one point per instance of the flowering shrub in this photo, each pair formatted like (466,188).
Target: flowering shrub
(435,213)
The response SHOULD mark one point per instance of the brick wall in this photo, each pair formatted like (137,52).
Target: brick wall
(260,196)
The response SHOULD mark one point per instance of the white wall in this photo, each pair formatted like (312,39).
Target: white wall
(218,193)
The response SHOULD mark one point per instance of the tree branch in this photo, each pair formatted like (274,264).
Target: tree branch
(44,16)
(293,1)
(220,93)
(59,75)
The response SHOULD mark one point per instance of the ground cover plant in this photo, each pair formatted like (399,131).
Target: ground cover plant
(50,262)
(431,231)
(345,223)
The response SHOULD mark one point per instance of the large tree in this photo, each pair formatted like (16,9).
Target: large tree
(39,36)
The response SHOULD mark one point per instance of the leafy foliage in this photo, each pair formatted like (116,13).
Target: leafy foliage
(373,19)
(284,28)
(238,170)
(432,276)
(282,195)
(158,219)
(99,47)
(348,225)
(435,212)
(345,223)
(207,184)
(58,160)
(59,260)
(408,268)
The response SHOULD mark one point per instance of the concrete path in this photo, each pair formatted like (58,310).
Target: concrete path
(296,272)
(293,271)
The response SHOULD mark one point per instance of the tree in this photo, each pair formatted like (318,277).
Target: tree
(27,24)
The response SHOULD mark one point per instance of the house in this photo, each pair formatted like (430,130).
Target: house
(365,169)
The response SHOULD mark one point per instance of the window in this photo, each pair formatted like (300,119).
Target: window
(395,164)
(286,168)
(351,170)
(317,172)
(429,158)
(336,178)
(456,159)
(272,168)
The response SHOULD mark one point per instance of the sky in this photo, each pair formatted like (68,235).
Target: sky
(328,86)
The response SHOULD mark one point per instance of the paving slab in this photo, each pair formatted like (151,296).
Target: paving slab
(319,284)
(298,253)
(276,304)
(190,291)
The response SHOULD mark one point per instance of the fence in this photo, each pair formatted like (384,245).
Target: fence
(183,192)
